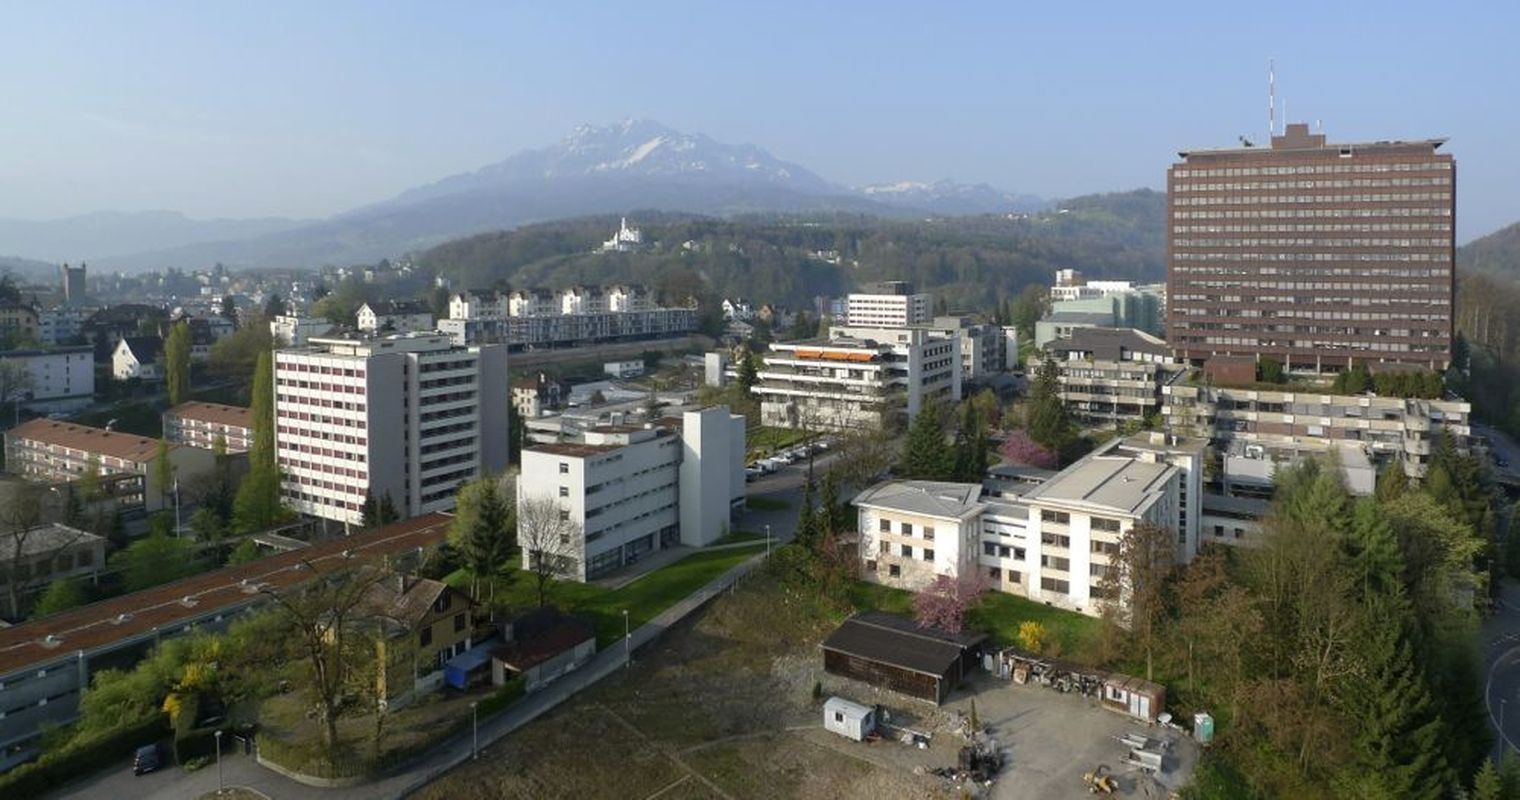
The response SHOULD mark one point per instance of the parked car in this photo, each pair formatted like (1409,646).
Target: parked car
(751,473)
(147,759)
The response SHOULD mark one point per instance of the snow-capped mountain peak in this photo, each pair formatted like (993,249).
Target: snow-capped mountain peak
(949,197)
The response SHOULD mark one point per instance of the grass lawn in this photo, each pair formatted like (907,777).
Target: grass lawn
(999,616)
(645,598)
(767,504)
(763,440)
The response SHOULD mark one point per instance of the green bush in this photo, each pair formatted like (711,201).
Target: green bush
(503,697)
(82,756)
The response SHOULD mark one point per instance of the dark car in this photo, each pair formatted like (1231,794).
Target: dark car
(147,759)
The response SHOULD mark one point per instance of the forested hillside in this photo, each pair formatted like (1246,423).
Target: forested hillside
(972,262)
(1497,253)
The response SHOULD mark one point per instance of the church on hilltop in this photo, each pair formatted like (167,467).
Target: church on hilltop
(626,240)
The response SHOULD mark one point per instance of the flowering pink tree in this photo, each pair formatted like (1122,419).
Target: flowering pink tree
(1020,449)
(944,603)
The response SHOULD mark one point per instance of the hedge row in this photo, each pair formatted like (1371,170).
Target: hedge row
(81,756)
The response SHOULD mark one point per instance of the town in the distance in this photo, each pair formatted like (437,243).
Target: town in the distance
(1199,494)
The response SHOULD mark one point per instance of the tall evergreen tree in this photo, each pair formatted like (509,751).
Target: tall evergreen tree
(926,457)
(1400,735)
(257,505)
(483,532)
(1391,482)
(1487,785)
(1049,422)
(1374,551)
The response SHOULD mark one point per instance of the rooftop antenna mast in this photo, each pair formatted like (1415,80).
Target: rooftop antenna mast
(1271,97)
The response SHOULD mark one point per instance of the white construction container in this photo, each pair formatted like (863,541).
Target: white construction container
(850,720)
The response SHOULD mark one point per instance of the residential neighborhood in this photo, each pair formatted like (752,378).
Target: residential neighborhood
(379,419)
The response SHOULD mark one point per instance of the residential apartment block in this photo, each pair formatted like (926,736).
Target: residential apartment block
(57,452)
(533,318)
(1312,253)
(858,378)
(635,490)
(404,416)
(63,378)
(19,323)
(1297,421)
(202,425)
(1110,376)
(1051,541)
(892,304)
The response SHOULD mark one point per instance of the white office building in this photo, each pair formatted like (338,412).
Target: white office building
(858,379)
(892,304)
(404,416)
(634,490)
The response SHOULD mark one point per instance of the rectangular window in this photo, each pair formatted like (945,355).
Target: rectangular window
(458,622)
(1108,525)
(929,532)
(928,555)
(1054,585)
(907,551)
(564,491)
(885,525)
(894,570)
(907,529)
(564,469)
(426,637)
(1055,517)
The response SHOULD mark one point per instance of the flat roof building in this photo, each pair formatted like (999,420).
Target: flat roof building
(57,452)
(1315,254)
(404,416)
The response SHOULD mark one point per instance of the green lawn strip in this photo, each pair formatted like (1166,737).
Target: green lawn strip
(998,615)
(767,504)
(644,598)
(648,596)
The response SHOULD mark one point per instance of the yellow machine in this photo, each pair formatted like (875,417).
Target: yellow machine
(1100,782)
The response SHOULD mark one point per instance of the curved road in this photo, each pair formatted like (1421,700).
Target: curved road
(1501,686)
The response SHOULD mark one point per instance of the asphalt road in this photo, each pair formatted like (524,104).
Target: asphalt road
(1502,447)
(1501,686)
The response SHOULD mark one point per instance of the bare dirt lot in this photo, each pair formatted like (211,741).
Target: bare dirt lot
(723,708)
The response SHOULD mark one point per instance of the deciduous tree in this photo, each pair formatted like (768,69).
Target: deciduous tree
(546,534)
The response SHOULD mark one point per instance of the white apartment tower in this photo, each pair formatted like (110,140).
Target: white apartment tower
(408,416)
(892,304)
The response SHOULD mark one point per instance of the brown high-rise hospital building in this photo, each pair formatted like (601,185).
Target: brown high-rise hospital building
(1315,255)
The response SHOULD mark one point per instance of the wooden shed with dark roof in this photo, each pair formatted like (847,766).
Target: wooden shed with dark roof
(896,653)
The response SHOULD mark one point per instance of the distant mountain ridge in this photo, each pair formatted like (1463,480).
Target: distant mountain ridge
(950,197)
(635,164)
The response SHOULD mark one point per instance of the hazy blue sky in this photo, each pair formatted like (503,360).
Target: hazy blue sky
(310,108)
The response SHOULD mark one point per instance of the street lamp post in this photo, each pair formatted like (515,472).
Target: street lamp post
(474,730)
(627,642)
(1502,703)
(767,542)
(219,785)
